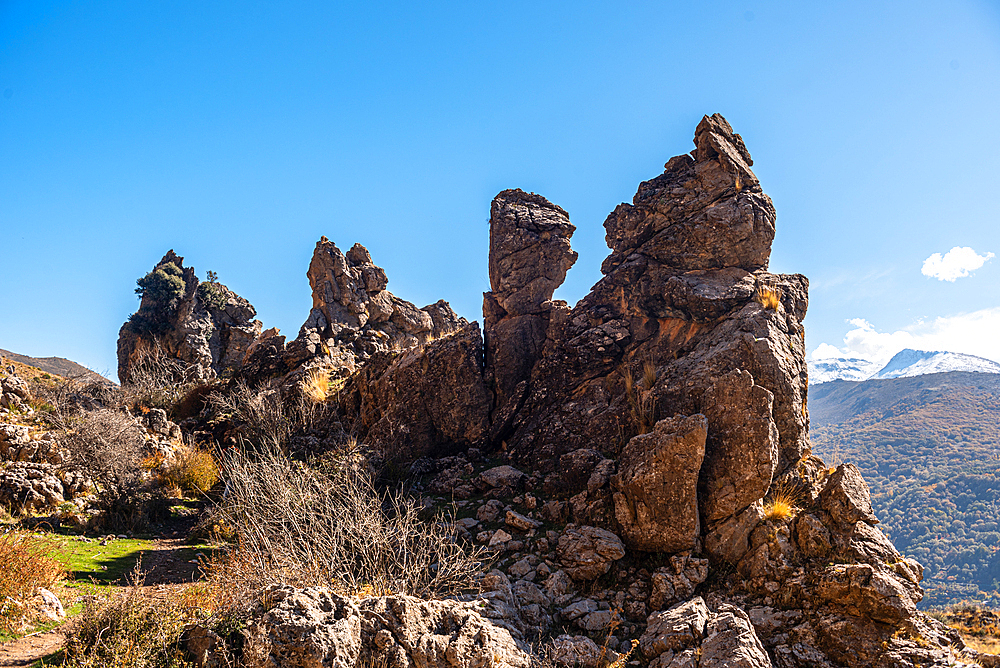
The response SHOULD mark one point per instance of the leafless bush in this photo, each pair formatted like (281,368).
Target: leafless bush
(110,447)
(259,413)
(156,379)
(294,525)
(266,418)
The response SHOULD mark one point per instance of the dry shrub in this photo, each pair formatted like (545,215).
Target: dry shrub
(25,565)
(110,447)
(267,419)
(155,379)
(295,525)
(193,470)
(127,629)
(259,413)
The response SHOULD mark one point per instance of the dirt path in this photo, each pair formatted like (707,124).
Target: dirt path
(168,568)
(24,651)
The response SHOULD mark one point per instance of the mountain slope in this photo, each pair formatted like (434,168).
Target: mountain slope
(56,365)
(929,447)
(909,362)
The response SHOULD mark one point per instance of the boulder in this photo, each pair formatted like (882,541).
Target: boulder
(587,552)
(576,652)
(656,488)
(304,628)
(315,627)
(866,591)
(731,641)
(846,497)
(15,386)
(405,632)
(678,580)
(679,627)
(529,250)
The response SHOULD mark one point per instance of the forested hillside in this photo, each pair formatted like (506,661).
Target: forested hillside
(929,448)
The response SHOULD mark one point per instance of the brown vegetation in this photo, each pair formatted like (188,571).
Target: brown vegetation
(25,565)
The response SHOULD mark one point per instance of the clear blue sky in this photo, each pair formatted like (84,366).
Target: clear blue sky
(238,133)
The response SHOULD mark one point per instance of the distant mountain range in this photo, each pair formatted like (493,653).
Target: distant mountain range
(904,364)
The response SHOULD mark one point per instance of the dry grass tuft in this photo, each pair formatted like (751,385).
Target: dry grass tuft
(768,297)
(641,403)
(25,565)
(316,386)
(781,502)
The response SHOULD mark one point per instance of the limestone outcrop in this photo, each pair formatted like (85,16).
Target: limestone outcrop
(685,321)
(353,315)
(641,459)
(203,324)
(314,627)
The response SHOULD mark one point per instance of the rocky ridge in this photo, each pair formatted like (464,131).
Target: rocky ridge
(640,462)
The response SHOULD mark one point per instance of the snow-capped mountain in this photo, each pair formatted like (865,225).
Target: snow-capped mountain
(840,368)
(904,364)
(908,363)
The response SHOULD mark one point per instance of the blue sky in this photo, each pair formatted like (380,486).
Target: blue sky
(238,133)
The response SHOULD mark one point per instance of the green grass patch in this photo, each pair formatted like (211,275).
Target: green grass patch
(89,561)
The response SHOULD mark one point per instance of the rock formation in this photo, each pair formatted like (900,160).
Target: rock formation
(314,627)
(212,329)
(643,456)
(206,325)
(354,316)
(685,321)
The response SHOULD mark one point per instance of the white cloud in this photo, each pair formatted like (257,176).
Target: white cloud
(973,333)
(826,351)
(956,263)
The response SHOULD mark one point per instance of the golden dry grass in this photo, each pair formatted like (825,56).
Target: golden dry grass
(768,297)
(25,565)
(316,386)
(781,502)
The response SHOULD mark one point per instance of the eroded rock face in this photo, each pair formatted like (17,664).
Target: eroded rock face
(353,315)
(686,320)
(741,447)
(656,497)
(424,400)
(206,325)
(529,251)
(529,257)
(304,628)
